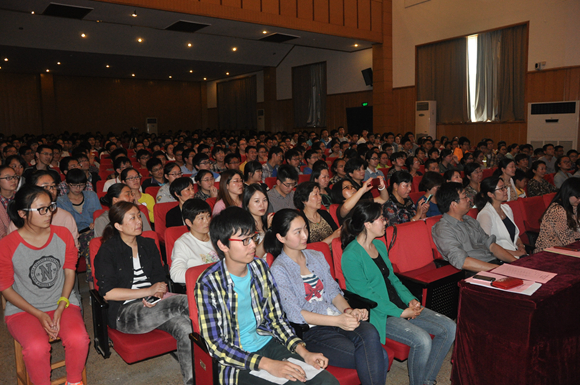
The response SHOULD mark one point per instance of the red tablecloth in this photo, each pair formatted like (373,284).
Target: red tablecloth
(506,338)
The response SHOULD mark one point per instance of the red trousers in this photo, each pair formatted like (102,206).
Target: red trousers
(27,330)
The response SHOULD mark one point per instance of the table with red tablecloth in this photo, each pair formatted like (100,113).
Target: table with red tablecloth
(508,338)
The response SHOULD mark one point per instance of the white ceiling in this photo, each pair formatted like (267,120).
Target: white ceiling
(35,43)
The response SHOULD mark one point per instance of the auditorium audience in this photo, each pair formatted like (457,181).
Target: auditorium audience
(132,178)
(337,169)
(473,176)
(171,171)
(506,169)
(400,208)
(230,191)
(319,223)
(116,193)
(537,185)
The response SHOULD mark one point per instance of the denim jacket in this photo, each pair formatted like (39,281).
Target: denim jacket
(91,205)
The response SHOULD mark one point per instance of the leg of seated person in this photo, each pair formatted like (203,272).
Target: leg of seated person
(27,330)
(359,349)
(275,351)
(75,340)
(180,328)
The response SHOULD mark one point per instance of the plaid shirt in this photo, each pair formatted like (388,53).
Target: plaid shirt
(5,201)
(63,187)
(217,304)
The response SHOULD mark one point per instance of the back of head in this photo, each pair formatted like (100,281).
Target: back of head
(354,224)
(287,172)
(230,221)
(280,225)
(447,194)
(354,164)
(430,179)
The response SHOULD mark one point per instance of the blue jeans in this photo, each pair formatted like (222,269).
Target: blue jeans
(170,315)
(426,355)
(359,349)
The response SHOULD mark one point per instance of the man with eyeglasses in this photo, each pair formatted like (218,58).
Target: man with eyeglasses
(282,195)
(201,162)
(232,161)
(293,158)
(460,238)
(240,291)
(69,163)
(142,157)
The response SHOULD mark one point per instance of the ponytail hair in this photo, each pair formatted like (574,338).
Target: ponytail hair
(113,192)
(22,201)
(488,185)
(280,225)
(354,224)
(116,215)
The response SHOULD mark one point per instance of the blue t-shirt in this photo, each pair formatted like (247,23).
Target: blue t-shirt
(250,340)
(433,209)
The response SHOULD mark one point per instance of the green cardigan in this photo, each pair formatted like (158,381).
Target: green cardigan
(364,278)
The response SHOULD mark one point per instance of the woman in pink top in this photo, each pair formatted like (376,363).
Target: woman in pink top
(230,191)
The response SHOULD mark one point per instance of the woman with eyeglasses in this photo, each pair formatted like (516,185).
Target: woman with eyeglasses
(81,204)
(129,272)
(171,171)
(19,165)
(8,186)
(310,296)
(116,193)
(399,315)
(347,196)
(497,218)
(413,164)
(206,185)
(230,191)
(132,178)
(37,265)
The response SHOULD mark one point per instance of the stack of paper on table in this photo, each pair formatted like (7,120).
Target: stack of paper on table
(523,273)
(571,253)
(527,288)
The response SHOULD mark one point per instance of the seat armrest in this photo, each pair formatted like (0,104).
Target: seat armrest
(100,309)
(300,329)
(440,262)
(359,302)
(197,339)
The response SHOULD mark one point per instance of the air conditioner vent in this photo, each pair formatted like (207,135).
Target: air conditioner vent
(65,10)
(553,108)
(186,26)
(278,38)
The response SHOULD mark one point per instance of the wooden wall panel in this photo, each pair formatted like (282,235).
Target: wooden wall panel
(350,13)
(232,3)
(288,8)
(305,10)
(364,14)
(20,104)
(376,16)
(218,2)
(337,104)
(513,132)
(336,12)
(252,5)
(321,11)
(404,109)
(271,6)
(559,84)
(97,104)
(213,118)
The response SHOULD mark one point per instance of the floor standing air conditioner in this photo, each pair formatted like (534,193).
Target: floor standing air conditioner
(426,118)
(151,125)
(553,122)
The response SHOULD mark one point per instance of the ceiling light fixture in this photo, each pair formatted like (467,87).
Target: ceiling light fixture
(58,63)
(83,35)
(5,59)
(234,49)
(107,66)
(190,71)
(32,12)
(356,45)
(227,73)
(140,40)
(134,14)
(189,44)
(133,75)
(47,70)
(203,78)
(170,76)
(264,32)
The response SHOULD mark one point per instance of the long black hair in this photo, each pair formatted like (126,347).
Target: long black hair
(280,225)
(570,188)
(22,201)
(354,224)
(247,195)
(488,185)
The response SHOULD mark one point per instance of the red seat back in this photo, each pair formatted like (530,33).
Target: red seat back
(487,172)
(518,211)
(473,213)
(533,208)
(336,259)
(211,202)
(415,196)
(171,235)
(430,222)
(332,210)
(303,178)
(100,185)
(550,178)
(412,248)
(98,213)
(548,198)
(159,213)
(324,249)
(190,279)
(416,181)
(152,190)
(271,182)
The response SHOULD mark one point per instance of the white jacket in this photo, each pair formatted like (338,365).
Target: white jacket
(491,223)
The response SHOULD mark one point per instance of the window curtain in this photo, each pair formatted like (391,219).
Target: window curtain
(237,104)
(487,76)
(442,76)
(309,95)
(511,87)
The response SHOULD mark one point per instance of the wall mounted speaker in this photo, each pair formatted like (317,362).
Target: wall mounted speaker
(368,76)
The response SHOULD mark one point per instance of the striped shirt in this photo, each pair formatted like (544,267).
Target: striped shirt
(217,304)
(140,280)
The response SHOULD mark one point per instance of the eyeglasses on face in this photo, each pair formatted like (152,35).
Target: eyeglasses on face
(133,178)
(77,185)
(504,188)
(11,177)
(246,241)
(43,210)
(176,174)
(49,187)
(289,185)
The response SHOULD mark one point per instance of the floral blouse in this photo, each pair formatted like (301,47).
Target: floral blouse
(542,187)
(554,230)
(396,212)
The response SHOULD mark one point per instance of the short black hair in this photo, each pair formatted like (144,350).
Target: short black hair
(428,163)
(430,180)
(141,153)
(447,194)
(285,172)
(302,193)
(462,140)
(398,155)
(230,156)
(117,163)
(153,162)
(229,221)
(178,185)
(217,149)
(193,207)
(250,168)
(64,162)
(76,175)
(308,154)
(198,158)
(274,150)
(354,164)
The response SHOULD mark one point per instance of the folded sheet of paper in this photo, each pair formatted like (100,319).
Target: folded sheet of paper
(564,252)
(528,287)
(310,371)
(523,273)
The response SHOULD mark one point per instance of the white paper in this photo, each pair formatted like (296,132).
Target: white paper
(524,273)
(528,287)
(310,371)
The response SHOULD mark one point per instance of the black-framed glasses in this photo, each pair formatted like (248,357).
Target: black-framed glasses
(133,178)
(289,185)
(11,177)
(246,241)
(77,185)
(44,210)
(176,174)
(501,188)
(49,187)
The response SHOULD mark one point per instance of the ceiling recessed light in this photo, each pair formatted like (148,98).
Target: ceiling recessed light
(203,78)
(5,59)
(227,73)
(170,76)
(107,66)
(189,44)
(132,74)
(356,45)
(234,49)
(47,70)
(264,32)
(190,71)
(32,12)
(98,21)
(58,62)
(140,40)
(83,35)
(134,14)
